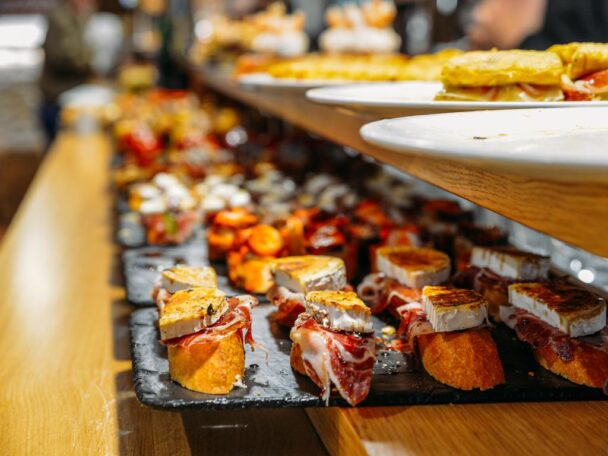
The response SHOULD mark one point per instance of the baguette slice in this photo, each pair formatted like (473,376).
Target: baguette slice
(465,360)
(208,368)
(588,366)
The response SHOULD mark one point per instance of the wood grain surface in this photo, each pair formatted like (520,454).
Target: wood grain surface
(65,370)
(575,212)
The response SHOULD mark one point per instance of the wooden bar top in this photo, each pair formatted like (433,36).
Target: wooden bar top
(66,374)
(65,368)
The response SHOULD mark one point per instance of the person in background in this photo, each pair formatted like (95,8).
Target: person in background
(536,24)
(67,60)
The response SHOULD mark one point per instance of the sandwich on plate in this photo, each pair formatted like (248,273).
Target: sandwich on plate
(565,326)
(182,277)
(586,76)
(204,332)
(295,276)
(514,75)
(493,269)
(334,344)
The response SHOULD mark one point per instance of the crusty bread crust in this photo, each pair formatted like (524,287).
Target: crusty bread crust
(208,368)
(463,359)
(588,367)
(295,357)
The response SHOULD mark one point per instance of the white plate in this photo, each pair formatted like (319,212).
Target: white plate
(267,83)
(391,99)
(564,144)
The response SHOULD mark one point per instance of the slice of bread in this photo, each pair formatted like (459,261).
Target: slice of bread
(211,368)
(463,359)
(588,367)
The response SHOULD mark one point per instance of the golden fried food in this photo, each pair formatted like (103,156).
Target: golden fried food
(582,59)
(496,68)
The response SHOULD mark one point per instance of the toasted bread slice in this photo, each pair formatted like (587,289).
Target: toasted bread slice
(182,277)
(511,263)
(310,272)
(208,368)
(582,59)
(339,311)
(189,311)
(588,367)
(453,309)
(413,267)
(570,309)
(463,359)
(497,68)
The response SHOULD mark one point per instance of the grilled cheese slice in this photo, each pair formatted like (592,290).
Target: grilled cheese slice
(572,310)
(413,267)
(183,277)
(339,311)
(511,263)
(189,311)
(582,59)
(453,309)
(301,274)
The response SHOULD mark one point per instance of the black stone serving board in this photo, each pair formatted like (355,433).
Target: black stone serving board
(142,266)
(271,383)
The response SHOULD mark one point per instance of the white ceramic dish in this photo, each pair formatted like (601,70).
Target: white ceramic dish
(564,144)
(391,99)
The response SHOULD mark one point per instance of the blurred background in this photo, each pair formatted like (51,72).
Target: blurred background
(47,48)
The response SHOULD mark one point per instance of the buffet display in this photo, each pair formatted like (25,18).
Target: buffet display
(345,289)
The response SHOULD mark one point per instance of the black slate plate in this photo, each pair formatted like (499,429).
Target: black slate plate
(131,233)
(142,266)
(273,383)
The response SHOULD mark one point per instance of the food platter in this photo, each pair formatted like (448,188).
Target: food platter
(392,99)
(270,381)
(548,143)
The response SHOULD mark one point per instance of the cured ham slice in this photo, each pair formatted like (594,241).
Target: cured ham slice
(237,319)
(289,304)
(582,360)
(328,357)
(381,293)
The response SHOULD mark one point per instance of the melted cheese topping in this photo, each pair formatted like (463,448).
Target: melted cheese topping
(573,311)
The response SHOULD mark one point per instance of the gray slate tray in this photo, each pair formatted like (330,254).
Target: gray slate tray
(142,266)
(273,384)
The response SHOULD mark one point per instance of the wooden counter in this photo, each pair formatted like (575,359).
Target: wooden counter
(65,369)
(66,372)
(575,212)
